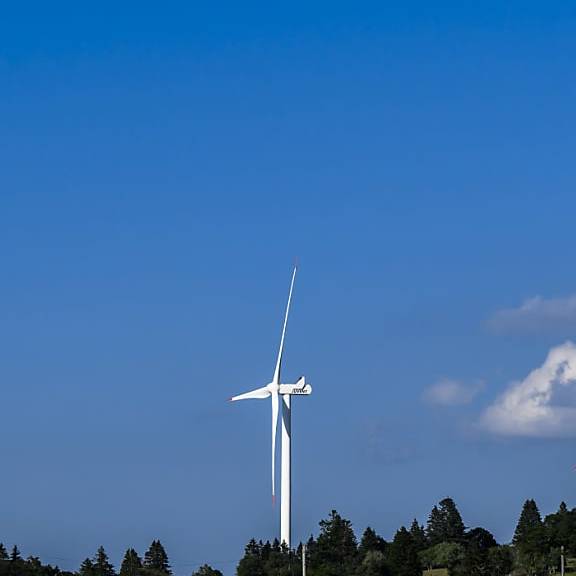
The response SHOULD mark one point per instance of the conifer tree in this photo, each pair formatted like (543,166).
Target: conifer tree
(476,560)
(3,552)
(530,523)
(252,563)
(445,523)
(86,568)
(403,555)
(15,554)
(101,565)
(418,535)
(454,528)
(336,547)
(529,539)
(435,527)
(131,564)
(370,541)
(156,559)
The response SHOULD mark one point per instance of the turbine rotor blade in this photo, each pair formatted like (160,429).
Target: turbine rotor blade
(274,434)
(276,379)
(258,393)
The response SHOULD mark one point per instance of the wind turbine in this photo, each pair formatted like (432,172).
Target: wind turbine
(278,391)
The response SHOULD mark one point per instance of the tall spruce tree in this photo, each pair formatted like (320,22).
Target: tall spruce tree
(435,527)
(131,564)
(3,552)
(86,568)
(454,528)
(252,563)
(156,559)
(529,540)
(15,554)
(561,529)
(371,542)
(445,523)
(418,535)
(403,555)
(336,547)
(101,564)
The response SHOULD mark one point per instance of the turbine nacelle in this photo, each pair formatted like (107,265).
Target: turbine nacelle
(300,388)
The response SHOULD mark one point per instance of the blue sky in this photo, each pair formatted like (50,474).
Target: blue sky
(161,167)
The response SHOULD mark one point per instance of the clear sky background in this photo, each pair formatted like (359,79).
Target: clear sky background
(161,165)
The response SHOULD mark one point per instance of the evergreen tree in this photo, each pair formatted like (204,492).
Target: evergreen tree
(15,554)
(252,563)
(336,547)
(476,560)
(3,552)
(371,542)
(131,564)
(403,555)
(454,528)
(156,559)
(561,529)
(101,565)
(529,540)
(206,570)
(86,568)
(435,527)
(445,523)
(418,535)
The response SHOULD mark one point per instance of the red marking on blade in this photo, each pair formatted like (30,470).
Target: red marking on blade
(273,500)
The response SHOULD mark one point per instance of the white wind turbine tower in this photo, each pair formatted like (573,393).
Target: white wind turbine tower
(277,390)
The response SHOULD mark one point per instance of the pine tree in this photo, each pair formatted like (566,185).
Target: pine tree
(454,528)
(86,568)
(336,547)
(3,552)
(435,527)
(530,522)
(369,542)
(15,554)
(156,559)
(445,523)
(529,539)
(252,563)
(561,528)
(418,535)
(131,564)
(403,555)
(101,564)
(476,560)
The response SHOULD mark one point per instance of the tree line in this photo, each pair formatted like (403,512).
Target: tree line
(155,563)
(444,542)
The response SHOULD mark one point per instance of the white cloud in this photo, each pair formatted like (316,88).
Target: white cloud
(541,405)
(448,392)
(536,314)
